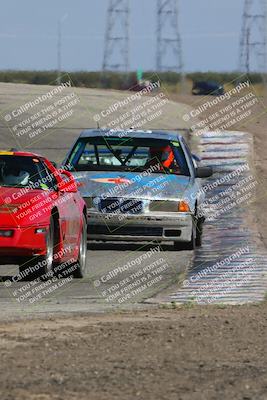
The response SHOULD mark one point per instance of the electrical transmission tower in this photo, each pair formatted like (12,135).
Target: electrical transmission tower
(169,48)
(253,41)
(116,50)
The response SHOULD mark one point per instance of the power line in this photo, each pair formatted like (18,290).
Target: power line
(253,40)
(169,45)
(116,50)
(59,48)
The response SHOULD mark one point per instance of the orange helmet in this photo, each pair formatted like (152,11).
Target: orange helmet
(164,154)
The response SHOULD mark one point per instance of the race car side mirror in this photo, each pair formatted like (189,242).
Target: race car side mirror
(196,158)
(67,185)
(203,172)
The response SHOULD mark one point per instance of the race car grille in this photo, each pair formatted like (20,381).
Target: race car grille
(120,206)
(124,230)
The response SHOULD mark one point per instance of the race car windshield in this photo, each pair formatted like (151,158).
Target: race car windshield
(129,154)
(22,171)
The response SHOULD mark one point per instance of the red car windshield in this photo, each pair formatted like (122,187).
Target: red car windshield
(24,171)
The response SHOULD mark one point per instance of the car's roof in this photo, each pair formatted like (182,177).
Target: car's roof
(167,135)
(208,83)
(18,153)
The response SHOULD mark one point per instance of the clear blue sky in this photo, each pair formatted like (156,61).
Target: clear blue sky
(210,31)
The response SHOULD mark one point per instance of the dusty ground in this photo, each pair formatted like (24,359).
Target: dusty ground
(189,353)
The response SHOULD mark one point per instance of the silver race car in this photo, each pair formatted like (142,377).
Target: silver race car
(139,185)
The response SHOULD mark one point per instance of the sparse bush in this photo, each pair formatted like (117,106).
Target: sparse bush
(120,81)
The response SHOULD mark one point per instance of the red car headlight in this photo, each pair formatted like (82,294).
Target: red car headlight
(9,208)
(40,230)
(6,233)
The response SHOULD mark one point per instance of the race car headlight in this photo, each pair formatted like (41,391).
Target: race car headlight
(9,208)
(40,230)
(163,205)
(4,233)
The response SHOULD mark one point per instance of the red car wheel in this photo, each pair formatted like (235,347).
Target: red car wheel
(42,265)
(81,265)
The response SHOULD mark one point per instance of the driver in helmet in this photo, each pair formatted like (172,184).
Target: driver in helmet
(164,157)
(14,175)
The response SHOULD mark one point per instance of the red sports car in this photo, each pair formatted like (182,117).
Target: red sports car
(43,223)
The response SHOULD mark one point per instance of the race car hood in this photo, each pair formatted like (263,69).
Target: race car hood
(19,207)
(132,185)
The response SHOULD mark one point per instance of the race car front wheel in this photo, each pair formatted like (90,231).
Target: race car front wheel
(187,245)
(50,242)
(41,266)
(199,231)
(81,265)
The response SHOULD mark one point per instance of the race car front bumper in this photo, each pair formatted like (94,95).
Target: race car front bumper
(23,241)
(153,226)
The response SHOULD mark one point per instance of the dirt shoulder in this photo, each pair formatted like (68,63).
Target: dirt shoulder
(186,353)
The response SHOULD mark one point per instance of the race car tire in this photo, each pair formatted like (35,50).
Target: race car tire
(187,245)
(42,266)
(81,266)
(199,230)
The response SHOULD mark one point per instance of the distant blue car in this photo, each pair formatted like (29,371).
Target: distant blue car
(207,88)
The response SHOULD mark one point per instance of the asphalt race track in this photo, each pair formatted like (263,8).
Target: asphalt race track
(135,259)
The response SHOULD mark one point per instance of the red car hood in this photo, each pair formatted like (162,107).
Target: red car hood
(19,207)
